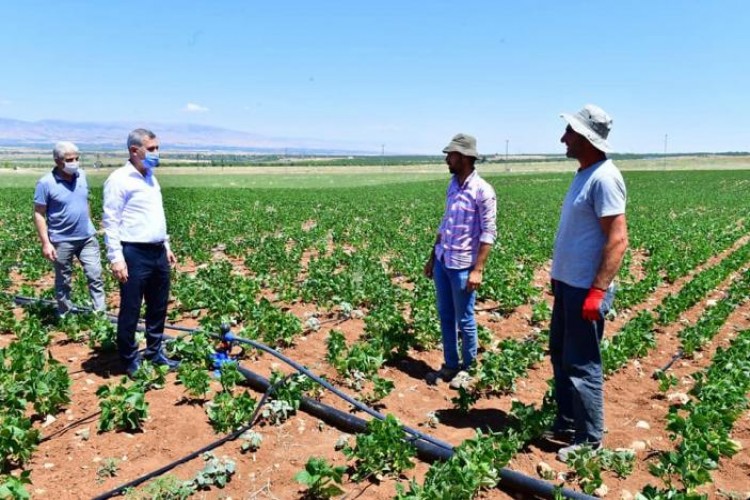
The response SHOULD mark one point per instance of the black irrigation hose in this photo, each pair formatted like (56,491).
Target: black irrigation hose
(65,429)
(528,486)
(229,437)
(672,361)
(228,336)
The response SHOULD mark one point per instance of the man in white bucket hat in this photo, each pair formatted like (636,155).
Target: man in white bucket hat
(589,246)
(457,260)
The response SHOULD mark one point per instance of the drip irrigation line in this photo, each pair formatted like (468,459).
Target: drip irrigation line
(229,437)
(65,429)
(258,345)
(677,356)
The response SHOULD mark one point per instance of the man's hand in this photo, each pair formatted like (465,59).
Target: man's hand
(120,270)
(171,258)
(592,304)
(475,279)
(49,252)
(429,267)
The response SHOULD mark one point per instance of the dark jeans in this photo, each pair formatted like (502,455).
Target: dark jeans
(577,363)
(148,277)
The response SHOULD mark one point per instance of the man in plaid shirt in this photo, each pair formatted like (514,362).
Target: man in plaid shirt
(456,264)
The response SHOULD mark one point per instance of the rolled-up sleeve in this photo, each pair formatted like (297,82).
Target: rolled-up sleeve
(111,218)
(487,202)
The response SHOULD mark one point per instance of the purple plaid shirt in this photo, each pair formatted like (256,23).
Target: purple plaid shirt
(469,219)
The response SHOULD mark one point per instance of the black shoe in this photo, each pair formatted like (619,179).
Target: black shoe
(560,435)
(161,359)
(132,367)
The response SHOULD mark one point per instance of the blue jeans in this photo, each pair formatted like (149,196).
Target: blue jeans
(577,363)
(87,251)
(456,309)
(148,277)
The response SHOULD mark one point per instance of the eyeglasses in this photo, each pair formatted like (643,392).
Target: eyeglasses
(71,160)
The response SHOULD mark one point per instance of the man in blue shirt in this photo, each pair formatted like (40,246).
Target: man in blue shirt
(589,246)
(138,249)
(63,223)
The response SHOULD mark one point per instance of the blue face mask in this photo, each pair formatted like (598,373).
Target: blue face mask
(151,161)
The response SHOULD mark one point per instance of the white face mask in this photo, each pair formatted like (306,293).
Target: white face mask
(70,167)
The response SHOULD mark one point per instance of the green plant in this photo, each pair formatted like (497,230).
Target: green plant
(14,487)
(230,376)
(107,469)
(166,487)
(195,378)
(103,335)
(216,472)
(123,406)
(227,412)
(381,388)
(587,468)
(621,462)
(251,441)
(151,376)
(322,479)
(666,380)
(381,450)
(540,312)
(335,346)
(18,440)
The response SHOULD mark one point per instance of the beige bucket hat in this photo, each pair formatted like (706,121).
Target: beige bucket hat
(464,144)
(594,124)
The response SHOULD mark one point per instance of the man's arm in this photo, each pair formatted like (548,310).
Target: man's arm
(476,274)
(111,218)
(40,221)
(431,261)
(615,228)
(488,221)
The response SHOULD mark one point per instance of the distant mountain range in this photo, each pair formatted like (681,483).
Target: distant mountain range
(189,137)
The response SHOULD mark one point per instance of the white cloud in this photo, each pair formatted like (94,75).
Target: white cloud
(191,107)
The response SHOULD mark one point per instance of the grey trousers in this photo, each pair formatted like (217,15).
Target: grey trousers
(87,252)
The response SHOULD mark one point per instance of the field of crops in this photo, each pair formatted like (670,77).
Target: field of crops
(331,277)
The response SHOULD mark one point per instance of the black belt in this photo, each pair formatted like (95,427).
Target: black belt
(158,244)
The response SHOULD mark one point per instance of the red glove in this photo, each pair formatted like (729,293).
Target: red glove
(593,303)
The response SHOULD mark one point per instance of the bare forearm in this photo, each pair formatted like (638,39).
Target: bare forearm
(41,228)
(612,256)
(484,252)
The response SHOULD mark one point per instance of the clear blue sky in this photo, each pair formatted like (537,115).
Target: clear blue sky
(404,74)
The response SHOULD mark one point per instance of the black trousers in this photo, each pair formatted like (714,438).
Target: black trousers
(148,278)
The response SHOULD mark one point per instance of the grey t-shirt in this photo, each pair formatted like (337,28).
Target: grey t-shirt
(597,191)
(67,206)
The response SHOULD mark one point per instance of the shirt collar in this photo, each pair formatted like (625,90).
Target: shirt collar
(59,178)
(137,172)
(468,180)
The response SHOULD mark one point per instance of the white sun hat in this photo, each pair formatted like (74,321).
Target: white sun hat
(594,124)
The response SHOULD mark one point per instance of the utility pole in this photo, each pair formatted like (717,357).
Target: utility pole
(382,157)
(666,137)
(507,165)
